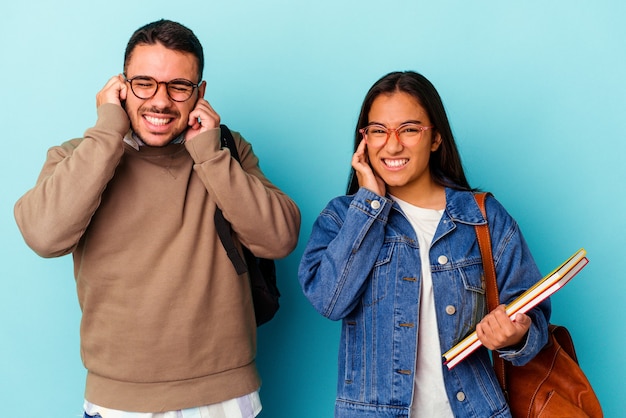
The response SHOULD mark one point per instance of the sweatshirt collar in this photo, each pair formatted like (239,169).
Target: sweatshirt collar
(134,141)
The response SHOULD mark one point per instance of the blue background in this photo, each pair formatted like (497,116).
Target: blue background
(535,92)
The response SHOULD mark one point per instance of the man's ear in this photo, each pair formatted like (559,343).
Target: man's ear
(201,89)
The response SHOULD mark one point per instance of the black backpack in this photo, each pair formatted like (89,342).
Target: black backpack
(262,271)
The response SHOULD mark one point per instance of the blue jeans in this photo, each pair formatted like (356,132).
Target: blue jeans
(91,416)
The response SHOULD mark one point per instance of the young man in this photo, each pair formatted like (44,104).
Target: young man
(167,325)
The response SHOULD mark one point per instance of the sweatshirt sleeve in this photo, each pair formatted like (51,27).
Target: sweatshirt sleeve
(53,215)
(264,218)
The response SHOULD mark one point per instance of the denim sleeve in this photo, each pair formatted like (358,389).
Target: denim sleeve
(342,250)
(516,271)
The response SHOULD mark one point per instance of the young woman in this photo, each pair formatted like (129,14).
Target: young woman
(398,262)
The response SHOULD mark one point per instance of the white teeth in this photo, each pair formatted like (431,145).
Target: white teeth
(396,163)
(157,121)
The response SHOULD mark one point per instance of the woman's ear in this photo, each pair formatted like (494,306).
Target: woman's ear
(436,142)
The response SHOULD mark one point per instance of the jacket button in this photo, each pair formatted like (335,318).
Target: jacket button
(460,396)
(442,259)
(450,310)
(375,204)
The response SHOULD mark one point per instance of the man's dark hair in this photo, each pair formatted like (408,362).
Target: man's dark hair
(171,35)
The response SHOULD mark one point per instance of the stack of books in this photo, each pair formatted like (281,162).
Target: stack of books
(525,302)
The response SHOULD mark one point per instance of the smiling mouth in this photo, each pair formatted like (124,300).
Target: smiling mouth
(157,121)
(395,163)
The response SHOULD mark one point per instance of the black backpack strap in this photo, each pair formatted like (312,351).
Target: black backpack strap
(229,142)
(221,224)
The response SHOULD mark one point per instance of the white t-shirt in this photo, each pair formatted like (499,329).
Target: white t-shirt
(429,394)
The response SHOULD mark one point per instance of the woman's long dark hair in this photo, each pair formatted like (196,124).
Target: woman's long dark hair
(445,163)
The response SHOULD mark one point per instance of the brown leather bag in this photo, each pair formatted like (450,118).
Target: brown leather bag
(552,384)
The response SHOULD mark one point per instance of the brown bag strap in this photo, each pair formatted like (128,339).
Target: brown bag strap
(491,285)
(484,243)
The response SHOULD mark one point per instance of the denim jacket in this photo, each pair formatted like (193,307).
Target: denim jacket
(362,266)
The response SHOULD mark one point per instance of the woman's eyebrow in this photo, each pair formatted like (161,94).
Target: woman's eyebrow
(418,122)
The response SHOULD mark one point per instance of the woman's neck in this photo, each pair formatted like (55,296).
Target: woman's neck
(428,196)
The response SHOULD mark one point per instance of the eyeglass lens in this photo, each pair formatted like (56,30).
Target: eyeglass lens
(408,134)
(146,87)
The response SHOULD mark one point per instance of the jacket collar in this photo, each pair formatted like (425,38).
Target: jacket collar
(461,207)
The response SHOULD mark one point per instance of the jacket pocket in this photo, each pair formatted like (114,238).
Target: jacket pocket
(378,284)
(474,292)
(350,346)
